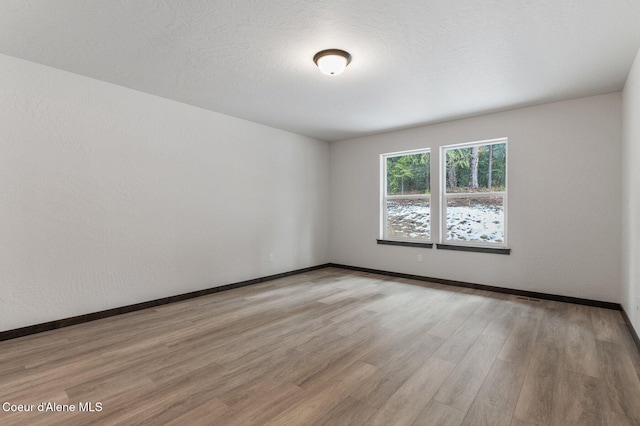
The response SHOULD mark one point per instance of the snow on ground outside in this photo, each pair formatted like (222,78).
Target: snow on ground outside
(478,222)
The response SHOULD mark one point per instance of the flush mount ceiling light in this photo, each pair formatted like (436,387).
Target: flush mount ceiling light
(332,61)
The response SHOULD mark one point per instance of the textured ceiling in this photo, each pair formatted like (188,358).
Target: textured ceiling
(414,61)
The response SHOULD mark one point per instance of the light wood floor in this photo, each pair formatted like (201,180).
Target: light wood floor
(334,347)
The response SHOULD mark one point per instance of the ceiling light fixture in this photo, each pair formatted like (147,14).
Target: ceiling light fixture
(332,61)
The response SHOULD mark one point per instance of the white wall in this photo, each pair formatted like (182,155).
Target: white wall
(564,203)
(110,197)
(631,195)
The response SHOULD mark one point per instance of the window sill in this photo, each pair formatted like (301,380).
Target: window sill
(474,249)
(404,243)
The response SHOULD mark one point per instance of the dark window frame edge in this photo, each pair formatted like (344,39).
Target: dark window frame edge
(404,243)
(492,250)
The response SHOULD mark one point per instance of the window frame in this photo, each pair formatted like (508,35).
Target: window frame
(444,197)
(384,197)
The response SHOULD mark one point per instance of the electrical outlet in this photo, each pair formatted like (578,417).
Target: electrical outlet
(419,258)
(270,257)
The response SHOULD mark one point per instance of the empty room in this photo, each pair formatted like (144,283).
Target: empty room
(319,212)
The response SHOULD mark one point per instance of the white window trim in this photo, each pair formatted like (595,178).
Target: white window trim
(384,197)
(444,196)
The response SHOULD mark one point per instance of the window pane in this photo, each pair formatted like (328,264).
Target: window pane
(480,168)
(408,174)
(408,219)
(479,219)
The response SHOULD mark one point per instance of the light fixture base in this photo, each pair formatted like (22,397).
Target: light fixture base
(332,61)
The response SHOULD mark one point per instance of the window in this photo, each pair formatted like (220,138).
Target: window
(406,196)
(474,194)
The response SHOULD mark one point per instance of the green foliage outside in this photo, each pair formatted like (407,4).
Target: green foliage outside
(409,174)
(490,168)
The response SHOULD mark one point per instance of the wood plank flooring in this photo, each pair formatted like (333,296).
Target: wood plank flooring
(333,347)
